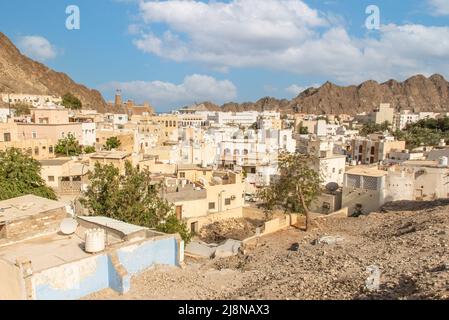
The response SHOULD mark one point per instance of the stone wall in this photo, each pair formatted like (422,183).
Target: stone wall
(27,227)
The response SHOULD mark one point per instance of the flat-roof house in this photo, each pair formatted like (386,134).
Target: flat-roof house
(40,262)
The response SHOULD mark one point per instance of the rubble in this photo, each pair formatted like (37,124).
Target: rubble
(238,229)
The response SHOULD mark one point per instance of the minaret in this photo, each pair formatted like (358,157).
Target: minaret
(118,98)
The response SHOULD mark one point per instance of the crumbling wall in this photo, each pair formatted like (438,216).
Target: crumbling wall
(11,282)
(72,280)
(37,224)
(138,257)
(111,269)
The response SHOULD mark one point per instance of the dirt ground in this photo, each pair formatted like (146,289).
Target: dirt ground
(409,247)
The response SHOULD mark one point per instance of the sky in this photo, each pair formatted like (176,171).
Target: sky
(174,53)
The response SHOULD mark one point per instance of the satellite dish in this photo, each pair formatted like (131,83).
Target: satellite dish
(332,186)
(68,226)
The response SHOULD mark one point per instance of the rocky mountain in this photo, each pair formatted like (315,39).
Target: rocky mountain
(20,74)
(417,93)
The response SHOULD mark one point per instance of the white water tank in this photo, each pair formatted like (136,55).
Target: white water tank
(443,161)
(94,240)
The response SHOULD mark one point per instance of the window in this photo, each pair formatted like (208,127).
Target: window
(211,205)
(36,151)
(50,149)
(7,136)
(51,178)
(34,135)
(227,201)
(182,174)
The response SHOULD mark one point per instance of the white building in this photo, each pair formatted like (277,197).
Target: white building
(89,133)
(34,100)
(237,118)
(405,118)
(4,114)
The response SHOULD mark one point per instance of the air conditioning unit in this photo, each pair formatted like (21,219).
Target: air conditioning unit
(232,197)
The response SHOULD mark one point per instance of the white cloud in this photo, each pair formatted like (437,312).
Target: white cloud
(37,47)
(294,90)
(288,35)
(439,7)
(194,88)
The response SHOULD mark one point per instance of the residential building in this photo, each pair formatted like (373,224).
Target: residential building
(364,189)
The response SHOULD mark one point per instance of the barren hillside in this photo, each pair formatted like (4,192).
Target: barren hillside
(410,248)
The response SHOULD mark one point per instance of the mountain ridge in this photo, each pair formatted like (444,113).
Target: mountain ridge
(418,93)
(21,74)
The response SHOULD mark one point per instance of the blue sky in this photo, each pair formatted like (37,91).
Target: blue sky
(172,53)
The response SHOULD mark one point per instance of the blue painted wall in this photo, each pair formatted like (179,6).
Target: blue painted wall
(92,283)
(152,252)
(105,276)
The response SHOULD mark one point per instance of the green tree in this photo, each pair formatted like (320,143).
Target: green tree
(112,143)
(296,187)
(20,175)
(101,196)
(372,127)
(68,146)
(21,109)
(71,102)
(89,149)
(133,198)
(303,130)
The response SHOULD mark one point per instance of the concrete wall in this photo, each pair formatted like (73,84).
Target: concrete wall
(371,200)
(214,217)
(11,282)
(112,269)
(73,280)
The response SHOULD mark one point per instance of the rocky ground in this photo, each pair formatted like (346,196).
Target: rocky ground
(410,248)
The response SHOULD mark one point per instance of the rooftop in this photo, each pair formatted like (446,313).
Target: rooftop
(187,193)
(123,227)
(367,171)
(110,154)
(193,167)
(421,163)
(54,162)
(24,206)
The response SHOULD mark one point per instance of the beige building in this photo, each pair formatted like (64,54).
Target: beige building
(422,180)
(37,148)
(364,189)
(384,113)
(202,202)
(373,149)
(52,132)
(116,158)
(64,175)
(170,125)
(126,137)
(50,116)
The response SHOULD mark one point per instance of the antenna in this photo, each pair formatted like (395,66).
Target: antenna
(68,226)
